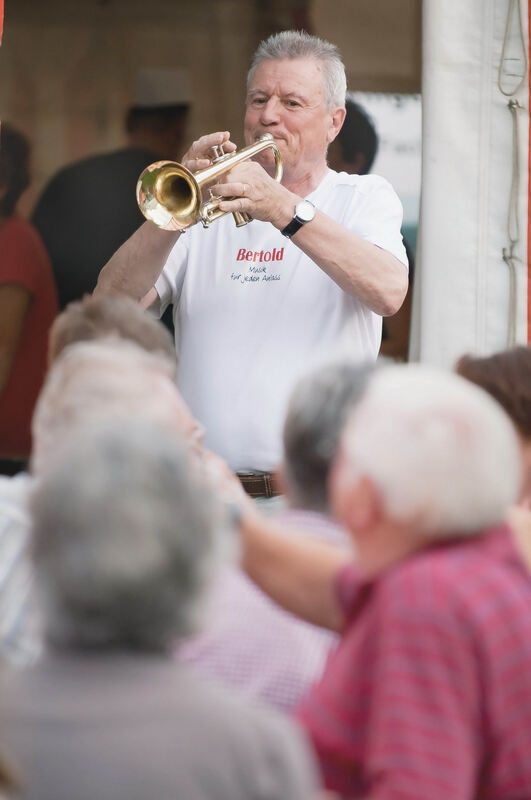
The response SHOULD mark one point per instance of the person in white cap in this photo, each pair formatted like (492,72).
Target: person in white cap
(88,208)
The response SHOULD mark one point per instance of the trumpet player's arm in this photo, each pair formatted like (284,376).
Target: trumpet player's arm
(135,267)
(362,269)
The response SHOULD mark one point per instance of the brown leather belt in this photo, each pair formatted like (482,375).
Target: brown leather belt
(259,485)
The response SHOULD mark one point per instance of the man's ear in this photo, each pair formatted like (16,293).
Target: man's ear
(355,501)
(337,117)
(366,510)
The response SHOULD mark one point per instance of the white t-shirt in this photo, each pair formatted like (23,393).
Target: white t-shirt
(253,313)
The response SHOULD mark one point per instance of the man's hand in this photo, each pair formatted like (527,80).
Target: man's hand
(249,188)
(200,154)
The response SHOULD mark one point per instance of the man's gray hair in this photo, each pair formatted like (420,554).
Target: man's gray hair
(123,539)
(317,412)
(440,451)
(298,44)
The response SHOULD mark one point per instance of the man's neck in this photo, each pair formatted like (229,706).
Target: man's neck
(305,183)
(387,545)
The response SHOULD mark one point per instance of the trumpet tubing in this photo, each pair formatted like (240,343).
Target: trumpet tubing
(170,195)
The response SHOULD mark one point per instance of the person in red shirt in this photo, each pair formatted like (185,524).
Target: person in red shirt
(428,694)
(28,306)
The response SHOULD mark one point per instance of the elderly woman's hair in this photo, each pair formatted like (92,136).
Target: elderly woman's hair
(123,539)
(109,315)
(317,412)
(110,376)
(14,167)
(506,376)
(441,452)
(298,44)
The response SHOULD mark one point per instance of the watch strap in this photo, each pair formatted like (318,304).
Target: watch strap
(292,227)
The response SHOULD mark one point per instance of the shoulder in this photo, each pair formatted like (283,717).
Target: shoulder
(259,733)
(363,195)
(362,185)
(454,581)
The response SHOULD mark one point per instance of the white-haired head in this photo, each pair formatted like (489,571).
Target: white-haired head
(288,45)
(439,451)
(104,378)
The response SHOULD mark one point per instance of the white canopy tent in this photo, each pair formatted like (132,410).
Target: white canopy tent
(471,285)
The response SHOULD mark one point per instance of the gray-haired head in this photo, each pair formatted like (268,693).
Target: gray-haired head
(298,44)
(123,539)
(317,412)
(442,454)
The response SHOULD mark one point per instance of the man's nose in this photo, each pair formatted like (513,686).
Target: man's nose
(270,113)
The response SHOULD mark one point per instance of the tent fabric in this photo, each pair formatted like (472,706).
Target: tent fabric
(462,296)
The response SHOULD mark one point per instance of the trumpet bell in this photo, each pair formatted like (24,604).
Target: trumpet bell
(170,195)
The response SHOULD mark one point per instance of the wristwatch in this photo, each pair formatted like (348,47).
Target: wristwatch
(304,212)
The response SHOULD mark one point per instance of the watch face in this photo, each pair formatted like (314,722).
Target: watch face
(305,210)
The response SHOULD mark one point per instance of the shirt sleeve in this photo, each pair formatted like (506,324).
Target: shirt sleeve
(422,737)
(376,215)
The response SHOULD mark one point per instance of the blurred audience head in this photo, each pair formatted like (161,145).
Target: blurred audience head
(506,376)
(14,168)
(106,377)
(317,412)
(354,148)
(426,451)
(123,539)
(108,316)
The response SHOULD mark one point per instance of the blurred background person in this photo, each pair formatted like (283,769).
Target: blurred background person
(507,377)
(356,145)
(89,208)
(428,693)
(104,353)
(86,380)
(28,305)
(353,151)
(107,712)
(248,641)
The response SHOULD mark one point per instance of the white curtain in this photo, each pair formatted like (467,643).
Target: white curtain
(464,300)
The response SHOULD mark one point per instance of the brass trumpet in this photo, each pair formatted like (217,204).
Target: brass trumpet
(169,194)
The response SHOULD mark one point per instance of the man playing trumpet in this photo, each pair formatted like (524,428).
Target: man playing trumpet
(308,279)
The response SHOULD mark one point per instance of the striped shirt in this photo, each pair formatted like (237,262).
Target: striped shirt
(251,643)
(428,695)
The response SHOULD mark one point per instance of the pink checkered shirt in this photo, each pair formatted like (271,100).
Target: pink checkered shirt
(253,644)
(428,695)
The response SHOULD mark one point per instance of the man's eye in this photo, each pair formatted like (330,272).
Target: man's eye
(292,104)
(259,101)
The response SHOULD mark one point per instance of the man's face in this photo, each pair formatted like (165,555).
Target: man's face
(285,98)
